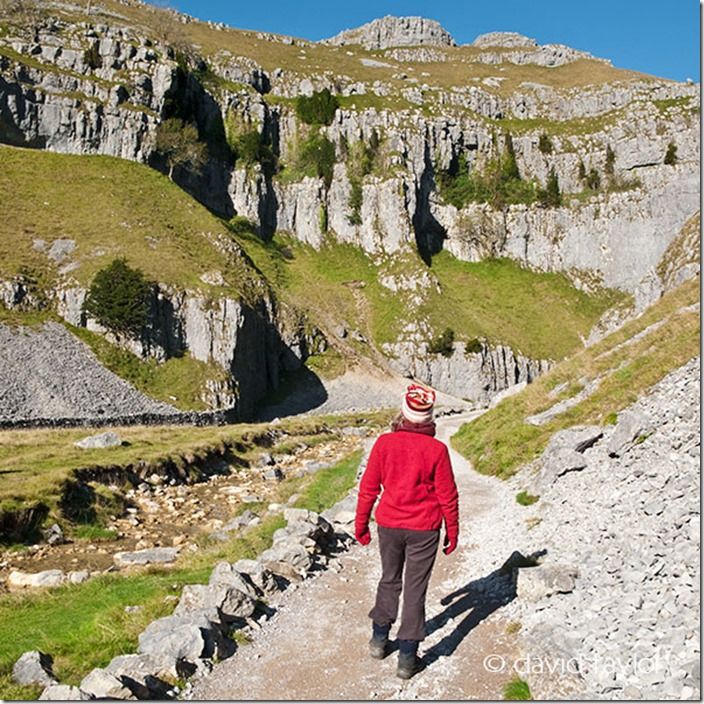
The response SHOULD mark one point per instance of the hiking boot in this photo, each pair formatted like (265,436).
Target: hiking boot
(408,665)
(377,647)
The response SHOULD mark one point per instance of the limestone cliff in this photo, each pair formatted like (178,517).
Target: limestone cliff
(103,84)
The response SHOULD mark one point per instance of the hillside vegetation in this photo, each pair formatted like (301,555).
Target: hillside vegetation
(626,363)
(171,238)
(110,208)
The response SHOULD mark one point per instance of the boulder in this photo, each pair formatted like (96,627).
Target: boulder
(180,642)
(578,438)
(534,583)
(63,693)
(100,684)
(228,601)
(142,674)
(47,578)
(101,440)
(287,559)
(631,424)
(263,579)
(34,667)
(225,574)
(149,556)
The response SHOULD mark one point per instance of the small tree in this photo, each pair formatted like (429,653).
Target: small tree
(610,159)
(671,154)
(545,144)
(178,142)
(550,196)
(509,165)
(119,298)
(443,344)
(593,180)
(317,157)
(317,109)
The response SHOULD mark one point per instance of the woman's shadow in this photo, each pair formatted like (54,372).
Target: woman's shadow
(476,601)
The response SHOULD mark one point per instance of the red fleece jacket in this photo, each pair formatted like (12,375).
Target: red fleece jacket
(419,487)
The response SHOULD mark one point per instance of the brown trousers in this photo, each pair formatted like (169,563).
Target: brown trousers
(416,549)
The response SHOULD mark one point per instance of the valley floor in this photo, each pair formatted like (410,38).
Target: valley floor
(316,646)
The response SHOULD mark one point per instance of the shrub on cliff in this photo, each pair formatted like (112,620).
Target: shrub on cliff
(177,141)
(550,196)
(317,157)
(119,298)
(317,109)
(443,344)
(498,183)
(671,154)
(251,148)
(545,144)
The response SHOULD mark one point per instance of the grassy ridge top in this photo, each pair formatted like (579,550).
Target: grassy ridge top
(111,208)
(627,365)
(308,58)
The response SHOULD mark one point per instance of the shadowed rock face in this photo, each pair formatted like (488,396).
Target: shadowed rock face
(394,31)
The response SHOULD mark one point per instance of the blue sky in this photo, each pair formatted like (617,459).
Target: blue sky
(660,37)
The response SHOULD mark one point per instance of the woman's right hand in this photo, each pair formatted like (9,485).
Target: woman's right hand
(362,535)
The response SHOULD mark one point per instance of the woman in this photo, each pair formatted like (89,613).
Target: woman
(419,491)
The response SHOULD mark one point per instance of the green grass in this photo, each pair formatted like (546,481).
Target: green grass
(179,381)
(500,441)
(542,315)
(526,499)
(141,216)
(85,626)
(330,485)
(517,690)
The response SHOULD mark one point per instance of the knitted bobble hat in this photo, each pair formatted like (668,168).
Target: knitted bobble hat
(417,406)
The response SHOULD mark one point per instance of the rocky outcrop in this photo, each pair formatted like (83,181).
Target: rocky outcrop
(394,31)
(252,343)
(629,521)
(474,376)
(508,40)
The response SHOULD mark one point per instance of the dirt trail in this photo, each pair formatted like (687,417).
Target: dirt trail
(316,645)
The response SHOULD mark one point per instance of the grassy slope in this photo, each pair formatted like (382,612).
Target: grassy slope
(541,315)
(111,208)
(85,626)
(499,441)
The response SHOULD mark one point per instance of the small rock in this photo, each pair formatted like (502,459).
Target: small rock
(54,535)
(146,557)
(102,685)
(47,578)
(34,667)
(101,440)
(63,693)
(78,576)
